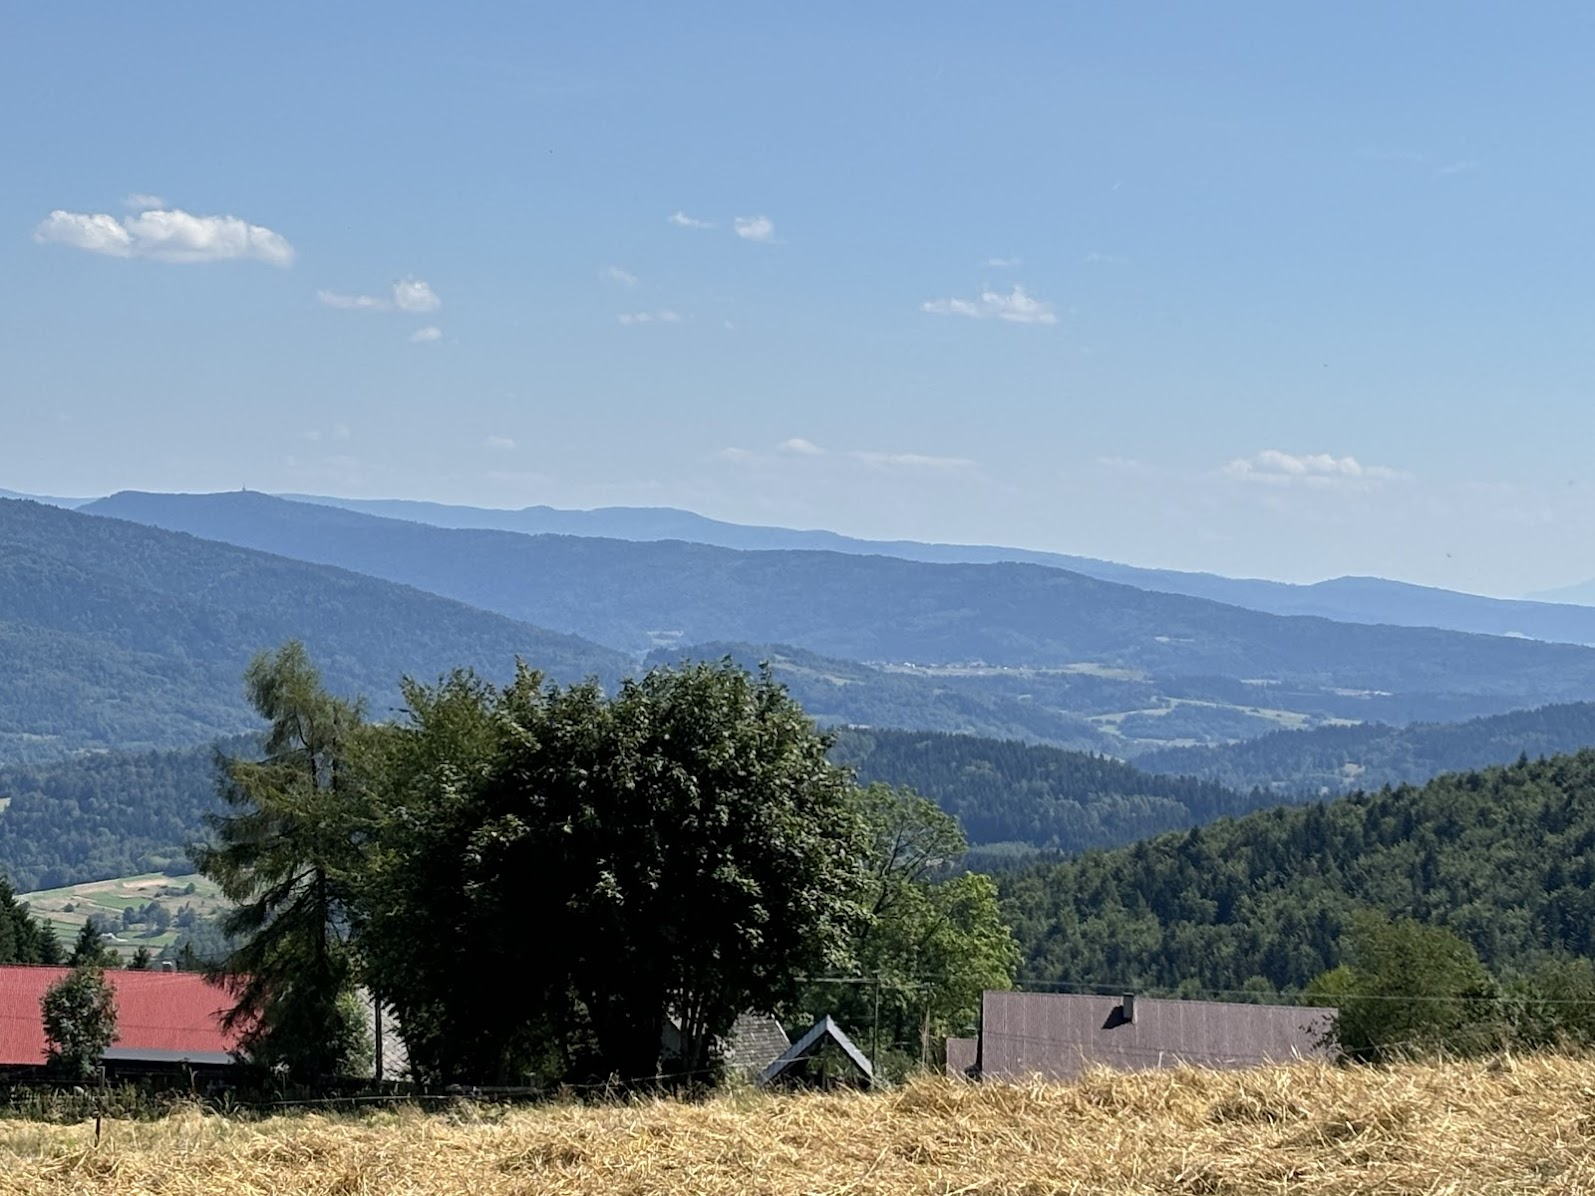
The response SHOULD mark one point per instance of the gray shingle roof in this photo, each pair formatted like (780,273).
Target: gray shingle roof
(755,1041)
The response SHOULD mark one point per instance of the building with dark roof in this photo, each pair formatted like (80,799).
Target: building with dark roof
(1057,1036)
(163,1019)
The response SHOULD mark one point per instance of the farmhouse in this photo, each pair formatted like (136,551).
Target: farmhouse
(1057,1036)
(164,1020)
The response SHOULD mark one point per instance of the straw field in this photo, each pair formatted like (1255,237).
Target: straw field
(1509,1126)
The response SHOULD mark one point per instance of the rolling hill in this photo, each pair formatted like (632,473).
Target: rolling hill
(1504,857)
(1331,760)
(635,596)
(1558,617)
(115,813)
(112,632)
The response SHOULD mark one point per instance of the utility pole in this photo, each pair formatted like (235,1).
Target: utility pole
(875,1034)
(376,1034)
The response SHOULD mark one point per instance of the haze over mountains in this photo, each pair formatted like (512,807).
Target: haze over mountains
(636,596)
(1347,599)
(114,633)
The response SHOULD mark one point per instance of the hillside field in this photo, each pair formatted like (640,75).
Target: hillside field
(66,909)
(1507,1126)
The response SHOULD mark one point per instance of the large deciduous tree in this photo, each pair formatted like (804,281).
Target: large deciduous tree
(600,865)
(286,854)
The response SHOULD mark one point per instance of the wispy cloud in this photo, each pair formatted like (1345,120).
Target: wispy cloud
(755,228)
(344,302)
(797,449)
(880,460)
(1002,263)
(142,201)
(407,295)
(681,220)
(1104,259)
(1017,307)
(166,235)
(426,336)
(615,274)
(1459,167)
(500,443)
(1318,471)
(665,316)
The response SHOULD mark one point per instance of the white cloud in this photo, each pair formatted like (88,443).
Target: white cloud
(502,443)
(351,302)
(142,201)
(681,220)
(666,316)
(1002,263)
(910,461)
(800,446)
(413,295)
(427,335)
(1105,259)
(615,274)
(1319,471)
(1017,307)
(741,456)
(165,235)
(408,295)
(1459,167)
(756,228)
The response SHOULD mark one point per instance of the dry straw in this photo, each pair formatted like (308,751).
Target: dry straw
(1505,1126)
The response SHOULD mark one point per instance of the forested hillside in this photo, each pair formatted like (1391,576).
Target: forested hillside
(1336,759)
(105,813)
(117,633)
(636,596)
(116,813)
(1002,791)
(1504,857)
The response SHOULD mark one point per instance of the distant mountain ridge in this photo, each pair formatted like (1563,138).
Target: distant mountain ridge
(1557,617)
(116,633)
(637,596)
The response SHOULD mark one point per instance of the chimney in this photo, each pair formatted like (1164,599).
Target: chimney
(1127,1006)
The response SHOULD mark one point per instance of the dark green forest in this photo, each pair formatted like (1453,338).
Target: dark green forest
(115,813)
(1337,759)
(106,813)
(1504,857)
(1002,791)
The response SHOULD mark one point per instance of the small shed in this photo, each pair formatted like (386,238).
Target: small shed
(803,1063)
(962,1054)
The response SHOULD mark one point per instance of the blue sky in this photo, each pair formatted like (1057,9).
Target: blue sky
(1248,287)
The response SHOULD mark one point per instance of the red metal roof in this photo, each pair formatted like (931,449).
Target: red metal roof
(156,1011)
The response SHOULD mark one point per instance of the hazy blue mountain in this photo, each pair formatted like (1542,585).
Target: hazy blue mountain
(1346,599)
(635,596)
(113,632)
(69,503)
(1581,594)
(1337,759)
